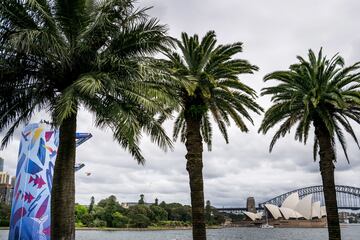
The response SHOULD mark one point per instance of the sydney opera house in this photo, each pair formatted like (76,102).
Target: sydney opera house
(294,212)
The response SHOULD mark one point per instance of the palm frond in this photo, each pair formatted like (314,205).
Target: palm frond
(209,82)
(318,91)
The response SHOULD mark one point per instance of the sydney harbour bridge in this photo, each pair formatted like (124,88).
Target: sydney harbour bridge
(347,198)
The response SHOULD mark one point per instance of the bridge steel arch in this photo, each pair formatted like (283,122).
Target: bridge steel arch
(343,194)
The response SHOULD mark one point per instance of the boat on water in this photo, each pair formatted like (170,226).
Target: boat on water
(266,226)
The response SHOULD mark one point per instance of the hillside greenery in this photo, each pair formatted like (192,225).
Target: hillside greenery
(109,213)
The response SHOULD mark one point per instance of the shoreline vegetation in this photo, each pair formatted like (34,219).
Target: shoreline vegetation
(343,225)
(109,215)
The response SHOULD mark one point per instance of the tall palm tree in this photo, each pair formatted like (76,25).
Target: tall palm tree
(322,93)
(58,55)
(210,74)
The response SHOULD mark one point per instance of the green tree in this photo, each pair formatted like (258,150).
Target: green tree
(322,93)
(163,204)
(159,214)
(80,211)
(181,213)
(212,216)
(119,220)
(212,86)
(87,219)
(219,218)
(110,206)
(59,55)
(177,212)
(140,209)
(92,202)
(139,221)
(5,212)
(141,200)
(140,216)
(110,202)
(99,223)
(208,213)
(99,213)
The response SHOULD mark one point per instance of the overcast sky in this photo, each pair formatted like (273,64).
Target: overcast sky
(273,33)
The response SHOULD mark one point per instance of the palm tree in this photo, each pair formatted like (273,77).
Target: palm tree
(59,55)
(211,86)
(325,94)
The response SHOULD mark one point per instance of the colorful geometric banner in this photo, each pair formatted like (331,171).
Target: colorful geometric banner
(30,212)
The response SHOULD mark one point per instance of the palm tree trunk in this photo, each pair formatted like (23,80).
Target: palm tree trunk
(194,167)
(63,190)
(327,157)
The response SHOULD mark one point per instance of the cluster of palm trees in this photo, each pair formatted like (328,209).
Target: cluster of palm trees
(58,55)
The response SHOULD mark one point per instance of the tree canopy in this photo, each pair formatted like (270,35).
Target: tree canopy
(211,84)
(317,89)
(59,55)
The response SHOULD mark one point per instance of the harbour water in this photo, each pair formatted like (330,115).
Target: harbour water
(349,232)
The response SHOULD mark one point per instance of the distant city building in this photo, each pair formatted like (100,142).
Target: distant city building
(296,208)
(344,217)
(5,193)
(294,212)
(128,204)
(131,204)
(6,188)
(250,205)
(13,180)
(1,164)
(4,178)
